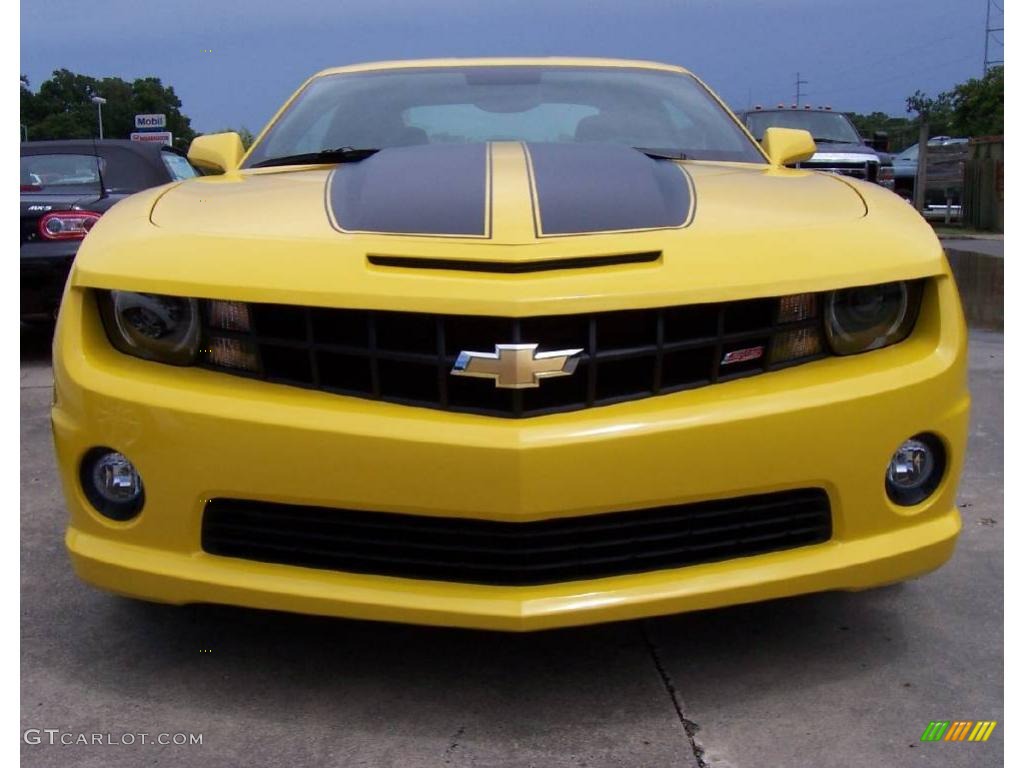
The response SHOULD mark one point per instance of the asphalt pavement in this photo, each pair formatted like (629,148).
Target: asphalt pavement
(985,246)
(844,679)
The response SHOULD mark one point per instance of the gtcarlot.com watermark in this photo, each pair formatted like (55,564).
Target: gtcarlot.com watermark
(57,737)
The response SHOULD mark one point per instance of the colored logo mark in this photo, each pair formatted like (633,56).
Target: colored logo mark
(958,730)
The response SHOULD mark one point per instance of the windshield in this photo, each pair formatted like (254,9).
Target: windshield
(910,153)
(652,109)
(72,174)
(178,166)
(824,126)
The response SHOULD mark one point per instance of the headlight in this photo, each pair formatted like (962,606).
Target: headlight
(871,316)
(161,328)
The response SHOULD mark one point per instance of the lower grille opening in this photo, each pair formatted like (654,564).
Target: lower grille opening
(515,554)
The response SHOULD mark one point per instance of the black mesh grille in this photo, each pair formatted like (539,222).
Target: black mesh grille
(487,552)
(407,357)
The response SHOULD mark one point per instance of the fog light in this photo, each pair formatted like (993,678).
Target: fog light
(112,483)
(915,470)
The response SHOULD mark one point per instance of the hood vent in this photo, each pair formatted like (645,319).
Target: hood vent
(514,267)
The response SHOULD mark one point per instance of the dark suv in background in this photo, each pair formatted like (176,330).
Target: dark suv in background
(841,149)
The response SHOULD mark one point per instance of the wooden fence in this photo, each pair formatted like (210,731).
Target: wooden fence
(983,184)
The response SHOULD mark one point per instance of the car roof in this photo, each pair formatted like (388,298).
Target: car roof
(792,109)
(531,61)
(130,165)
(71,146)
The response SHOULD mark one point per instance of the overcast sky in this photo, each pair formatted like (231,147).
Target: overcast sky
(861,55)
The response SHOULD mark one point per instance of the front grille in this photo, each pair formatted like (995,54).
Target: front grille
(856,170)
(407,358)
(867,170)
(501,553)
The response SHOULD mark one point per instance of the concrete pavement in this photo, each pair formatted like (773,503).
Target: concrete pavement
(819,681)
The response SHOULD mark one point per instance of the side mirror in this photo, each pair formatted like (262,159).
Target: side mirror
(880,141)
(218,152)
(788,145)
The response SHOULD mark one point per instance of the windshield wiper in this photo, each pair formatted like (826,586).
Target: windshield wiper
(662,154)
(340,155)
(831,141)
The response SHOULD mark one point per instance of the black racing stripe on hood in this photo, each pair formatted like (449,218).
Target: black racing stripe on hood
(591,188)
(441,190)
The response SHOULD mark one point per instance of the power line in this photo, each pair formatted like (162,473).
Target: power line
(901,56)
(901,76)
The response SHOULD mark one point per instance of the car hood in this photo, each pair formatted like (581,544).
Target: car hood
(643,232)
(507,193)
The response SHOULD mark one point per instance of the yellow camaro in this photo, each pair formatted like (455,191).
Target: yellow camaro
(511,344)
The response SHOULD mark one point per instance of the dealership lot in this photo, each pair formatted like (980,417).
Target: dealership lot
(811,681)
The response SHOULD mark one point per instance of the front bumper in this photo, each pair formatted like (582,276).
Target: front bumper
(197,434)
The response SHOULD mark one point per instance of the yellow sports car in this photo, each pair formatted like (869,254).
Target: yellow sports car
(509,344)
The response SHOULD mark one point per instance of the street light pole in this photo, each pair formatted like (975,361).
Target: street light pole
(99,101)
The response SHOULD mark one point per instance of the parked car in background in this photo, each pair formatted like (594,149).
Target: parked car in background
(904,166)
(65,187)
(841,149)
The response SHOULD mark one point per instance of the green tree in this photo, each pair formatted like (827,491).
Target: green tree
(937,112)
(977,105)
(973,108)
(902,131)
(63,109)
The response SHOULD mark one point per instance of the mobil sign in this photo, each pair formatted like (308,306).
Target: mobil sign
(150,122)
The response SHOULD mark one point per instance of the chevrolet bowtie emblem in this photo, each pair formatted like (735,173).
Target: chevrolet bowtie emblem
(517,366)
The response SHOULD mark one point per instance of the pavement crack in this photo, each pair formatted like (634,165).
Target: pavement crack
(689,726)
(454,745)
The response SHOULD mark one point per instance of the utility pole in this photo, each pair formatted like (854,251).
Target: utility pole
(799,82)
(990,34)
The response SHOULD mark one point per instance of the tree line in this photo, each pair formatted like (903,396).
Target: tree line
(62,108)
(972,108)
